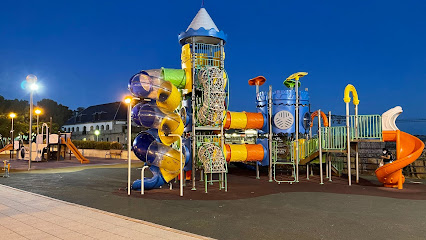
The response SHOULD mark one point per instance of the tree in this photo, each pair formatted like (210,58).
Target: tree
(58,112)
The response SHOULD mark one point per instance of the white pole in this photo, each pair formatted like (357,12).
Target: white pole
(257,163)
(13,142)
(270,131)
(320,147)
(143,179)
(181,165)
(348,144)
(297,128)
(129,136)
(307,171)
(329,154)
(356,146)
(30,133)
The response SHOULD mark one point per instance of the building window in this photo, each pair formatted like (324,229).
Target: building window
(107,139)
(84,130)
(107,127)
(102,127)
(118,139)
(91,128)
(69,129)
(72,129)
(78,129)
(97,127)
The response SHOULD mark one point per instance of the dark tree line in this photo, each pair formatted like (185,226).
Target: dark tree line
(59,113)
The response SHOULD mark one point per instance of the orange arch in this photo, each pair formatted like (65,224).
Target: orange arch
(323,116)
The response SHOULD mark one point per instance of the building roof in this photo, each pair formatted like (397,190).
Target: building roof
(100,113)
(202,26)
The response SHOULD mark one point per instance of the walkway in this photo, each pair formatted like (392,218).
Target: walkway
(25,215)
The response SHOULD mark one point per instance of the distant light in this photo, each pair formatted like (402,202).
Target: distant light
(128,100)
(12,115)
(34,87)
(97,132)
(31,78)
(38,111)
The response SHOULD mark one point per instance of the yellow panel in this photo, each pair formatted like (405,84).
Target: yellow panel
(173,97)
(188,84)
(172,124)
(169,165)
(238,152)
(238,120)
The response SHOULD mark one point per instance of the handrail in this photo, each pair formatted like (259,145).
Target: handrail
(348,89)
(333,138)
(143,179)
(368,127)
(323,116)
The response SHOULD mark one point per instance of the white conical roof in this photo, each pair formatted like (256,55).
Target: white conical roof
(202,19)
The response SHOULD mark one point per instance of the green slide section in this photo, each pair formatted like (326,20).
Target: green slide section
(175,76)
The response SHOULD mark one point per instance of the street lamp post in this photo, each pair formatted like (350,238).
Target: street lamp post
(97,132)
(12,116)
(37,112)
(128,101)
(32,81)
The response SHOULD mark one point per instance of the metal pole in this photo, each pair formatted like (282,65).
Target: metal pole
(193,116)
(257,163)
(30,133)
(143,179)
(13,142)
(181,165)
(37,124)
(329,154)
(129,136)
(270,132)
(320,147)
(307,171)
(297,128)
(356,146)
(348,144)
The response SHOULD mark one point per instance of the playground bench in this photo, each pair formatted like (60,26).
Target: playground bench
(114,152)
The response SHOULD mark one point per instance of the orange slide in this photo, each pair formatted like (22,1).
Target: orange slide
(74,150)
(408,149)
(7,147)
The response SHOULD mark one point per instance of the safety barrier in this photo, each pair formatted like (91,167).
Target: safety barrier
(333,138)
(368,127)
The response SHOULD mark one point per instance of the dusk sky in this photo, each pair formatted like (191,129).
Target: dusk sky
(84,52)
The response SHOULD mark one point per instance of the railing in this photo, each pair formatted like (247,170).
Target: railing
(368,127)
(276,161)
(333,138)
(306,147)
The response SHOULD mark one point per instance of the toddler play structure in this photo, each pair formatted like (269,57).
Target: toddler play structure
(189,107)
(46,147)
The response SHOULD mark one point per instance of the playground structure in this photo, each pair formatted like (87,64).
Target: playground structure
(46,147)
(192,103)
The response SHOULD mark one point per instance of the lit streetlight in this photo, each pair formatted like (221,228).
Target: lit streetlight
(37,112)
(12,116)
(32,81)
(128,100)
(97,132)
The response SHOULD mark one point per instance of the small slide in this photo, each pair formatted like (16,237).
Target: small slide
(7,147)
(74,150)
(408,149)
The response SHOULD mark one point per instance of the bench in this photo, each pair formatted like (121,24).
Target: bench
(114,152)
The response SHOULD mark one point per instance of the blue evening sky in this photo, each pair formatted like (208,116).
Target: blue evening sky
(84,52)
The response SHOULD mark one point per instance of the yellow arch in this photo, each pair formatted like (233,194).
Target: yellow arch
(350,88)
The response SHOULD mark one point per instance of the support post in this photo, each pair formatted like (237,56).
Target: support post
(320,147)
(348,144)
(270,132)
(297,128)
(356,146)
(329,154)
(194,155)
(129,136)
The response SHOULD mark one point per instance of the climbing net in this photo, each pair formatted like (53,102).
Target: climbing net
(213,80)
(212,158)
